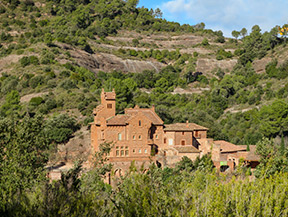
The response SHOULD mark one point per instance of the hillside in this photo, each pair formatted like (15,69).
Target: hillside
(55,58)
(57,55)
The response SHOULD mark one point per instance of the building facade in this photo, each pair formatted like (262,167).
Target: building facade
(140,135)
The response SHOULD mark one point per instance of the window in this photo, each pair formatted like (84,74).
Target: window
(109,106)
(134,151)
(126,152)
(165,140)
(196,134)
(145,151)
(183,133)
(122,153)
(134,137)
(156,136)
(183,142)
(140,151)
(117,152)
(140,137)
(170,141)
(139,123)
(119,136)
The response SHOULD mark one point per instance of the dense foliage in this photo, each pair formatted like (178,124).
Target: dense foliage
(189,189)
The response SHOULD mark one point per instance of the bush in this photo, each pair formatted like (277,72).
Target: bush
(25,61)
(60,128)
(35,81)
(35,101)
(205,42)
(67,84)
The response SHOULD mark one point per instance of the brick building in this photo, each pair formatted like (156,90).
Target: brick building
(140,135)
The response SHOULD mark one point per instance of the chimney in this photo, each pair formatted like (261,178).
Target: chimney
(187,123)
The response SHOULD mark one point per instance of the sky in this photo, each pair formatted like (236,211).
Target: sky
(224,15)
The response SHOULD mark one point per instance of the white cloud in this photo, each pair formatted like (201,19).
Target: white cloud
(228,15)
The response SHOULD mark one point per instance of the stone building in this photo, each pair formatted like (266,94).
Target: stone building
(140,135)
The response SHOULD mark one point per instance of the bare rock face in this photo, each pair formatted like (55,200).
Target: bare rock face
(207,65)
(109,62)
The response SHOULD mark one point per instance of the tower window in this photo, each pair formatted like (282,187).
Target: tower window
(109,106)
(139,123)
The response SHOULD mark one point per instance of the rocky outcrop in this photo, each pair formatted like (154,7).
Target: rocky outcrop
(109,62)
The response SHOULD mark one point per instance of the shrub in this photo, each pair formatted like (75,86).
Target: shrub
(35,101)
(25,61)
(60,128)
(67,84)
(205,42)
(35,81)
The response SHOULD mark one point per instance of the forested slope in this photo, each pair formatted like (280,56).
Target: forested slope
(56,55)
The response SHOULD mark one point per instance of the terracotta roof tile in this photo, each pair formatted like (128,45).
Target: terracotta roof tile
(183,127)
(229,147)
(118,120)
(187,149)
(151,115)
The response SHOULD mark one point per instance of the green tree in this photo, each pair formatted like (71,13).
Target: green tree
(235,34)
(22,159)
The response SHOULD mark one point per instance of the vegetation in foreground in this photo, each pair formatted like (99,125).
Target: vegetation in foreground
(189,189)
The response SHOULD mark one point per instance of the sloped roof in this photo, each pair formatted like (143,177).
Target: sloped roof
(183,127)
(151,115)
(187,149)
(252,156)
(118,120)
(229,147)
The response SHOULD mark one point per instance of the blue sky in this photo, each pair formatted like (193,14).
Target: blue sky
(224,15)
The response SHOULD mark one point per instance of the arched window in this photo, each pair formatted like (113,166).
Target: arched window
(139,123)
